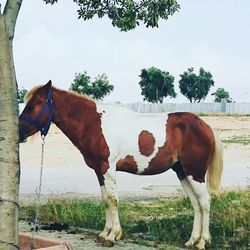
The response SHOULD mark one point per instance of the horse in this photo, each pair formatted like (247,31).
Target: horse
(112,138)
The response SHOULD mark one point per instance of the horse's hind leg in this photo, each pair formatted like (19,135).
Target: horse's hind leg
(197,223)
(203,196)
(112,230)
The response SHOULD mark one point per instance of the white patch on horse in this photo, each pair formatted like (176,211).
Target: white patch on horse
(108,224)
(197,223)
(203,196)
(121,128)
(112,209)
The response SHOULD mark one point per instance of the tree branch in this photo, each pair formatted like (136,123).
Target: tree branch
(10,12)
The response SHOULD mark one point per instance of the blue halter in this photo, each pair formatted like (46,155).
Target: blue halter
(36,122)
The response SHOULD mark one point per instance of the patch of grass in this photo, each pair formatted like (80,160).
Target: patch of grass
(221,114)
(237,139)
(89,214)
(167,220)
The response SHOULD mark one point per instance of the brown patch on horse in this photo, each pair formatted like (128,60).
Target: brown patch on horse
(81,122)
(195,144)
(188,140)
(146,142)
(161,162)
(127,164)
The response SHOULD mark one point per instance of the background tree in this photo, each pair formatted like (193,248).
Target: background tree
(195,87)
(21,94)
(156,84)
(97,89)
(125,15)
(221,94)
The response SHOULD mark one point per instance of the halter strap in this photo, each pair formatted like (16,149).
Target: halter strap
(36,122)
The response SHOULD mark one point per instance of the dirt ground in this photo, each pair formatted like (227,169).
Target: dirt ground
(85,239)
(235,129)
(230,127)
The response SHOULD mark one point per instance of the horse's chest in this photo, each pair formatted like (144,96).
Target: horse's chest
(135,142)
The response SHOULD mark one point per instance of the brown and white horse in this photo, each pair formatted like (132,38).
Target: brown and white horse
(112,138)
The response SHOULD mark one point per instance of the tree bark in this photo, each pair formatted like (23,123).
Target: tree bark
(9,137)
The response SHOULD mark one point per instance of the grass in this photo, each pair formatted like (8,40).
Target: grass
(237,139)
(162,221)
(221,114)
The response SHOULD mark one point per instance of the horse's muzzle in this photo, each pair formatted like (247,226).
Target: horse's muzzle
(22,137)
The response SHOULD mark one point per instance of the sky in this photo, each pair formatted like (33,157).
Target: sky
(51,43)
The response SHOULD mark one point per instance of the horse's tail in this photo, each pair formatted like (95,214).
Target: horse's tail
(216,166)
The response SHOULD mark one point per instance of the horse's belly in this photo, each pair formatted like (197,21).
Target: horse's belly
(157,163)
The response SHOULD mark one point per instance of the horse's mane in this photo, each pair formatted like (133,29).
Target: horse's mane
(30,93)
(73,93)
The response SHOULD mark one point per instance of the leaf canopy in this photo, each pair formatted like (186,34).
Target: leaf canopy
(96,89)
(126,14)
(156,84)
(221,94)
(195,87)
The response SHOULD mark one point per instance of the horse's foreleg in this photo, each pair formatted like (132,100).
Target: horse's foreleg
(108,224)
(197,223)
(112,230)
(203,196)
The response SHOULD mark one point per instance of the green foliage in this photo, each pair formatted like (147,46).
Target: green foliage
(156,84)
(221,94)
(97,89)
(244,140)
(20,95)
(195,87)
(70,211)
(166,221)
(126,14)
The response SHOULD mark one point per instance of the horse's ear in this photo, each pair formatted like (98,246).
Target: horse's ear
(48,84)
(45,88)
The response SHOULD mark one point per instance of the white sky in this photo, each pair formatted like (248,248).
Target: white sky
(51,43)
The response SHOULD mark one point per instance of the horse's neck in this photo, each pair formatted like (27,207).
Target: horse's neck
(73,114)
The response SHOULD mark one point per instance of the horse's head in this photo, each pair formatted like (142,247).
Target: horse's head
(38,112)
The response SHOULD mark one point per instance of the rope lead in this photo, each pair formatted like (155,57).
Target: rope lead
(38,195)
(10,201)
(9,243)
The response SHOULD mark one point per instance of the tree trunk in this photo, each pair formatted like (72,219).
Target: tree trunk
(9,147)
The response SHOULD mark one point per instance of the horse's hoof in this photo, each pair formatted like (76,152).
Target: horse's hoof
(118,236)
(108,243)
(100,239)
(203,242)
(191,242)
(201,245)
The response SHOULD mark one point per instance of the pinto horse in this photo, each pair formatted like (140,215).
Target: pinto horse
(112,138)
